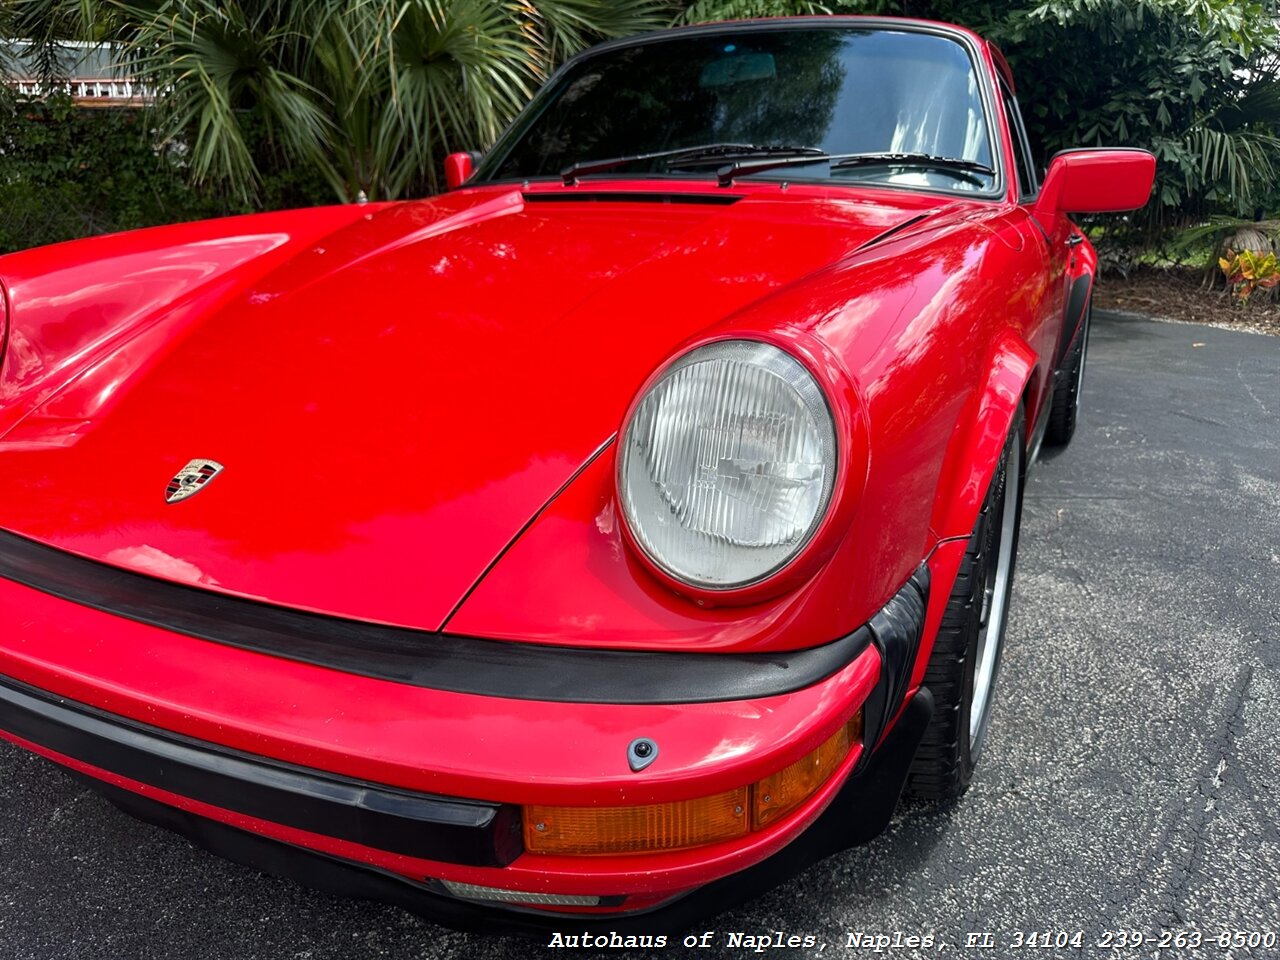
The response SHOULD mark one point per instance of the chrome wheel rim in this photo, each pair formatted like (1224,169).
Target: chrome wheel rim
(995,597)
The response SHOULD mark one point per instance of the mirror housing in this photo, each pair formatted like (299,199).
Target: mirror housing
(1103,180)
(458,168)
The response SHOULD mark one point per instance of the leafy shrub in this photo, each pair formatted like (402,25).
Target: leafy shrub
(1250,270)
(67,172)
(371,95)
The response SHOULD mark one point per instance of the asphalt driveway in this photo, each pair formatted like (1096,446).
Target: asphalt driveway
(1131,783)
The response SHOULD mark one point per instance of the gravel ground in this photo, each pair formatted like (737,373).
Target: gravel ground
(1178,293)
(1131,776)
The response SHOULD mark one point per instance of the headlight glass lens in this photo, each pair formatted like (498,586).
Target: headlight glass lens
(727,464)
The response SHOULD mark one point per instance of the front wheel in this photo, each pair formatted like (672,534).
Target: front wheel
(965,660)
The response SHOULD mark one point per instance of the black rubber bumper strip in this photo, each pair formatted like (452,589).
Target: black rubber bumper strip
(896,631)
(417,825)
(859,813)
(439,661)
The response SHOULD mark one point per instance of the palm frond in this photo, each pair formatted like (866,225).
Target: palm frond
(1215,230)
(705,11)
(1241,162)
(369,93)
(1257,105)
(569,26)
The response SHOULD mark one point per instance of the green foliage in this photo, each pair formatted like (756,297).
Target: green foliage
(370,93)
(1160,74)
(1248,271)
(1217,231)
(707,10)
(67,172)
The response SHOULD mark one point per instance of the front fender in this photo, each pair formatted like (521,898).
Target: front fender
(979,437)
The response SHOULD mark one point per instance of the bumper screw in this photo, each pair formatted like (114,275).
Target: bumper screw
(540,826)
(641,753)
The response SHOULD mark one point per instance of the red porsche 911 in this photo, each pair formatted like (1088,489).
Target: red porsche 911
(600,542)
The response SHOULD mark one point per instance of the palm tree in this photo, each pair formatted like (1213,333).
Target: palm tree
(371,93)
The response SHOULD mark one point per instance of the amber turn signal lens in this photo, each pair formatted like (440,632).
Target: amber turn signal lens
(579,831)
(598,831)
(791,786)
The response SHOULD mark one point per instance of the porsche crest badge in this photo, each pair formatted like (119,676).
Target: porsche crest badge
(191,479)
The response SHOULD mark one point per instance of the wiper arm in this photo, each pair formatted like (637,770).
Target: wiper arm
(704,153)
(726,173)
(955,165)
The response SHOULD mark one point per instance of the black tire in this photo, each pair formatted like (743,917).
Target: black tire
(943,766)
(1067,386)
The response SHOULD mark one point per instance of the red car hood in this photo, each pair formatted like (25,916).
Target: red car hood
(393,405)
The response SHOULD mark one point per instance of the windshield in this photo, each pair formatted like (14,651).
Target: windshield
(839,91)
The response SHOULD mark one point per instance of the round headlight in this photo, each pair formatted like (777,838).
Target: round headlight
(727,464)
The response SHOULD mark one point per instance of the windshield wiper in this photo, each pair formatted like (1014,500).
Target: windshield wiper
(926,161)
(747,158)
(961,168)
(750,152)
(726,173)
(690,156)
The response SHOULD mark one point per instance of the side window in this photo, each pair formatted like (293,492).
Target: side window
(1027,185)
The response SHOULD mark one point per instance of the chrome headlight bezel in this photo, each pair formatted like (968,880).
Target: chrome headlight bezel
(783,385)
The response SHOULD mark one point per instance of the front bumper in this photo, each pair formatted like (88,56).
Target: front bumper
(859,813)
(242,750)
